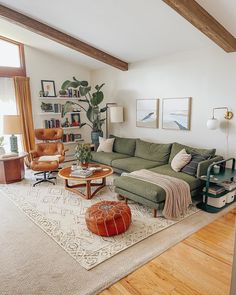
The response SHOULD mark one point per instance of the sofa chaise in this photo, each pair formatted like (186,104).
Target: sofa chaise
(131,154)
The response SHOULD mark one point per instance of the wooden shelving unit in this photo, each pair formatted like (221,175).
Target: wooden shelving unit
(65,98)
(50,116)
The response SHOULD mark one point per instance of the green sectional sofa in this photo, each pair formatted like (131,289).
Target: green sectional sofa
(130,154)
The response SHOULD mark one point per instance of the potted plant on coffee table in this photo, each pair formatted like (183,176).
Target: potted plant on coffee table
(83,154)
(93,111)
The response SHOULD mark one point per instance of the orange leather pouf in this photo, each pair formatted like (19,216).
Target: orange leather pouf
(108,218)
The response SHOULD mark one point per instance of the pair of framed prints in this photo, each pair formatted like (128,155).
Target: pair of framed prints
(176,113)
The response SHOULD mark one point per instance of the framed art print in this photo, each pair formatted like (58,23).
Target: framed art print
(147,113)
(75,119)
(176,113)
(48,88)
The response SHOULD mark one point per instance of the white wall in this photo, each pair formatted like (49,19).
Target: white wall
(208,76)
(42,66)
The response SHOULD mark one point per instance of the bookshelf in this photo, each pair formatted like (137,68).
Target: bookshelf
(51,116)
(60,98)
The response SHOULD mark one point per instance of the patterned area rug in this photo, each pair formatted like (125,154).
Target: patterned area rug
(61,215)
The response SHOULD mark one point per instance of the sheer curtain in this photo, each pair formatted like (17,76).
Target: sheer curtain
(7,107)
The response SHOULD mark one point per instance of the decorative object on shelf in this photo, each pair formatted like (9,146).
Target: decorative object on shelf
(75,119)
(63,92)
(93,100)
(41,93)
(176,113)
(66,123)
(83,153)
(114,113)
(12,125)
(46,107)
(77,136)
(147,113)
(214,123)
(2,150)
(49,87)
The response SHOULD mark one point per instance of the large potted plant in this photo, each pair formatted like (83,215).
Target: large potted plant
(83,154)
(93,110)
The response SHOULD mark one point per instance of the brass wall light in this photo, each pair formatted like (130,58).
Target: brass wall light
(214,123)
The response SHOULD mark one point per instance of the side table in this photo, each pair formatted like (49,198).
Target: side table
(12,169)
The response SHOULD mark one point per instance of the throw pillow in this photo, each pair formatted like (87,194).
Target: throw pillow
(180,160)
(191,167)
(105,145)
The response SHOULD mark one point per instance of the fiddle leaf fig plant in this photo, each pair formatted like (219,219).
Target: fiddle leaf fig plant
(92,99)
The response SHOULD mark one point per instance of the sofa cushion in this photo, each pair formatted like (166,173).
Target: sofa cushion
(191,167)
(138,187)
(124,145)
(132,164)
(153,151)
(106,158)
(177,147)
(193,182)
(105,144)
(180,160)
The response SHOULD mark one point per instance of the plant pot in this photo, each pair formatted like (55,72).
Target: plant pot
(84,165)
(95,137)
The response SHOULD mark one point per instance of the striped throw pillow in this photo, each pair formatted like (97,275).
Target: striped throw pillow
(191,167)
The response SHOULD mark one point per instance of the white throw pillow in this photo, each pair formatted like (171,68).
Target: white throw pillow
(180,160)
(105,145)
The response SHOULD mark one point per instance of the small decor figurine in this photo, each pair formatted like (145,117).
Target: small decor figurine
(83,154)
(66,123)
(46,107)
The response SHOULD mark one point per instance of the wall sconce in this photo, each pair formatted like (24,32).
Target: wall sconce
(214,123)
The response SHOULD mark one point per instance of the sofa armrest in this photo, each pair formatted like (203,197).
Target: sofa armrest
(203,166)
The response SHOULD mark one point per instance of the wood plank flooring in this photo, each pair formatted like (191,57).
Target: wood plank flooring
(199,265)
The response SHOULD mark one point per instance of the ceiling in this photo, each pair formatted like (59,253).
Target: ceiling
(132,30)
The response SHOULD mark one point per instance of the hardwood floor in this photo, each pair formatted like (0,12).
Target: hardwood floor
(201,264)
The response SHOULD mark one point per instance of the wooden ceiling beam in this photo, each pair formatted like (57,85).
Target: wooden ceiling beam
(60,37)
(203,21)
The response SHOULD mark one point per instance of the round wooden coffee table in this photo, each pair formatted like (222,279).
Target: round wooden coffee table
(87,182)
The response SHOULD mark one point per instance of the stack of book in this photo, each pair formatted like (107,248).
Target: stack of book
(228,185)
(57,107)
(215,189)
(81,173)
(52,123)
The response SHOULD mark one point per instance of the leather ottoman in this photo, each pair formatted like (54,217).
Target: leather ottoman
(108,218)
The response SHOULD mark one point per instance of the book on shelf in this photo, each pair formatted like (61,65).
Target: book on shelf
(215,189)
(57,107)
(52,123)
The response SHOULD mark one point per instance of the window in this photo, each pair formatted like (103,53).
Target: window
(8,107)
(12,62)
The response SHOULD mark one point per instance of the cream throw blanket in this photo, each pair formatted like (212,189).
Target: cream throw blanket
(178,197)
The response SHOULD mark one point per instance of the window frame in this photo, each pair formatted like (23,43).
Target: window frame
(14,71)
